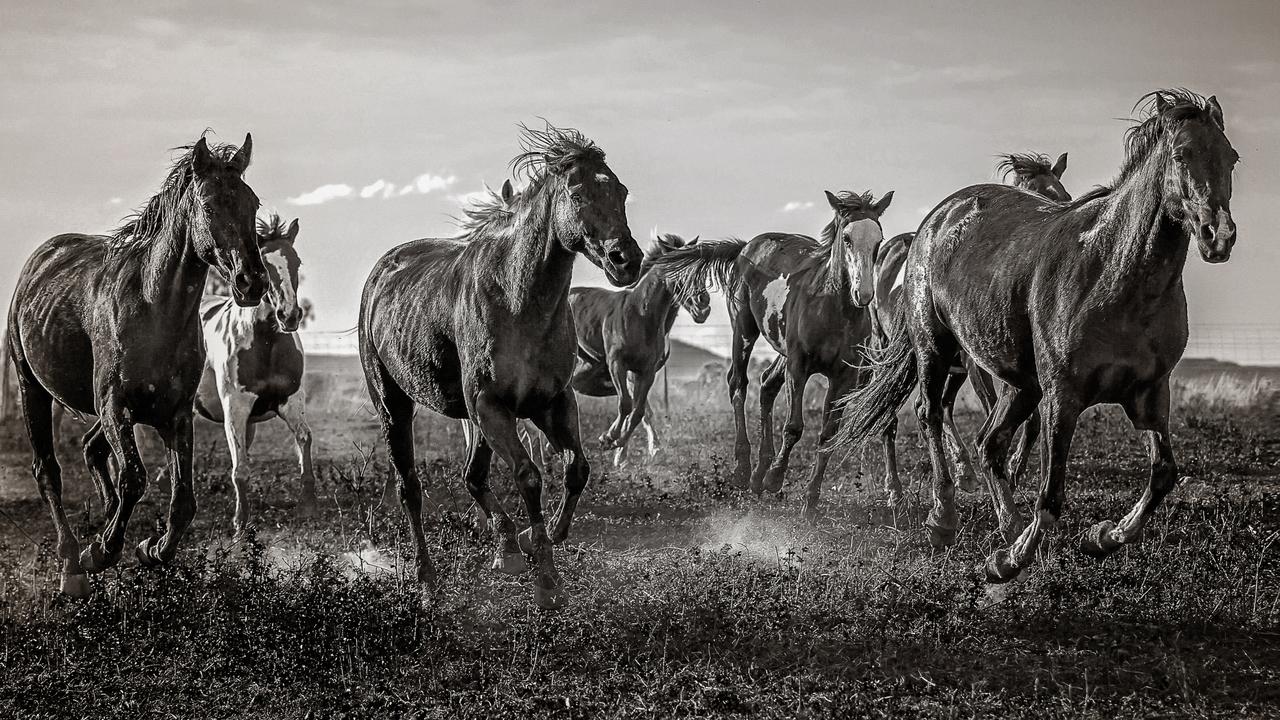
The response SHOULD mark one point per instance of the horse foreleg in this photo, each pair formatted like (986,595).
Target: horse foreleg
(618,374)
(182,499)
(797,377)
(132,474)
(560,424)
(294,413)
(770,385)
(1058,419)
(640,385)
(836,389)
(651,436)
(745,333)
(507,557)
(235,424)
(498,424)
(1027,441)
(97,458)
(1149,412)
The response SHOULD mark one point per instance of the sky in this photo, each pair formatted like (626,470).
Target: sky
(373,121)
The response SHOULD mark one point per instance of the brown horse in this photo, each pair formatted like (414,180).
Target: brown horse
(479,327)
(809,299)
(1069,305)
(1031,172)
(110,326)
(622,341)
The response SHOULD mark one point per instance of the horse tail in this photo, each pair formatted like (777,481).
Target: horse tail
(706,264)
(869,411)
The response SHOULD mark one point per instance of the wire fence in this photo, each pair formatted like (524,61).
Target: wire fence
(1241,343)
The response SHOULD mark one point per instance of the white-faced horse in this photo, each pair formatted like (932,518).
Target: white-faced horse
(254,364)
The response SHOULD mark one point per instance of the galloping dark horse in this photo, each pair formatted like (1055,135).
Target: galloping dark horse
(1030,172)
(809,298)
(1070,305)
(110,326)
(479,327)
(622,341)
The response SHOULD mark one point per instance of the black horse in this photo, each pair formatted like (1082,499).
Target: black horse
(478,327)
(110,326)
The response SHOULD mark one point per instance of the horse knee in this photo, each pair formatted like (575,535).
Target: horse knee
(793,431)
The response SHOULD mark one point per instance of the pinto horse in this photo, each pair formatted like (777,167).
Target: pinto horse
(809,299)
(478,327)
(254,365)
(1031,172)
(1069,305)
(110,326)
(622,341)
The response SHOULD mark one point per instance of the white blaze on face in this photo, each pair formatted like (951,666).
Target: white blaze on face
(775,299)
(864,237)
(288,294)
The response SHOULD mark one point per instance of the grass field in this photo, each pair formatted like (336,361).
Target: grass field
(687,597)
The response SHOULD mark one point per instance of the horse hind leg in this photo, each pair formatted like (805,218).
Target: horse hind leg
(796,378)
(132,478)
(293,412)
(1022,452)
(934,368)
(771,381)
(37,410)
(560,425)
(1011,410)
(957,451)
(395,412)
(837,388)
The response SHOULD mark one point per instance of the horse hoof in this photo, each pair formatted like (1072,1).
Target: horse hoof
(809,513)
(525,538)
(92,558)
(147,554)
(941,537)
(76,586)
(550,598)
(1000,568)
(772,483)
(510,563)
(1097,542)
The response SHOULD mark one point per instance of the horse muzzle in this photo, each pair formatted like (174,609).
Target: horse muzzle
(247,289)
(1216,238)
(621,262)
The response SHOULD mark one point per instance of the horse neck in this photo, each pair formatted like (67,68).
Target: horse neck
(537,270)
(1143,247)
(652,301)
(173,276)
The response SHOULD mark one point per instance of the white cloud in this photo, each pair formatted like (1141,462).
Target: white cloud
(378,188)
(116,200)
(427,182)
(795,205)
(323,194)
(423,184)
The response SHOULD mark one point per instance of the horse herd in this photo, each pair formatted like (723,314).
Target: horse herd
(1045,303)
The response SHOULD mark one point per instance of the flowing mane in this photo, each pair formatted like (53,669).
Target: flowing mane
(272,227)
(1180,105)
(544,153)
(1024,166)
(158,216)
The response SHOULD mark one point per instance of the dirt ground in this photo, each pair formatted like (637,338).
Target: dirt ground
(688,598)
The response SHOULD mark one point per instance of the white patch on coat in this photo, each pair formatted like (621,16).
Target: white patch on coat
(775,299)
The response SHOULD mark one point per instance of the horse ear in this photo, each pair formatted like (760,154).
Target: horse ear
(507,192)
(1162,104)
(202,161)
(1215,112)
(832,200)
(695,240)
(240,161)
(1060,166)
(292,232)
(884,203)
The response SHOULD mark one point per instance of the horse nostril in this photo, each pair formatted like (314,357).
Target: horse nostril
(617,258)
